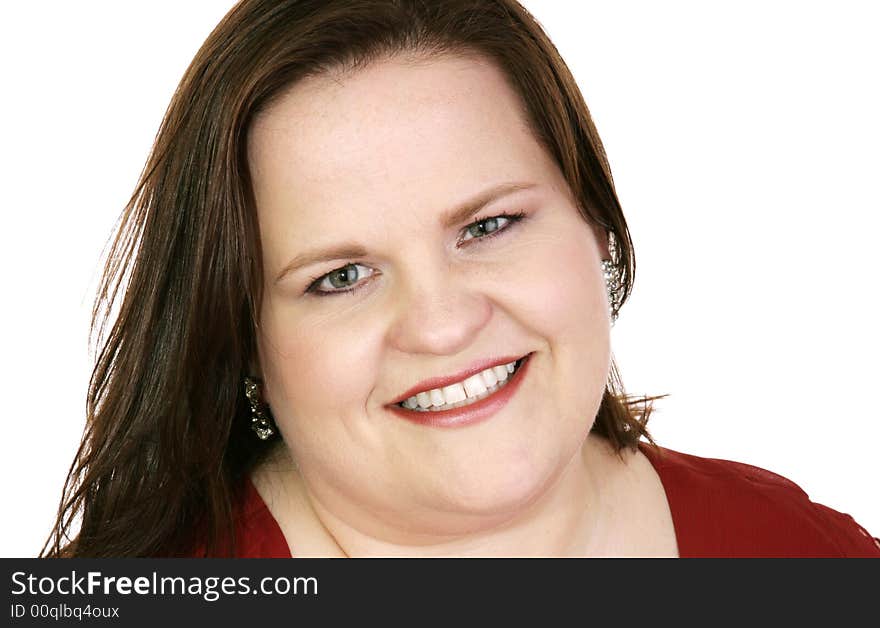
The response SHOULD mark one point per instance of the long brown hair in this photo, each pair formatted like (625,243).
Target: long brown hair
(167,445)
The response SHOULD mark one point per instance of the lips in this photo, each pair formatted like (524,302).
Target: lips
(472,413)
(440,382)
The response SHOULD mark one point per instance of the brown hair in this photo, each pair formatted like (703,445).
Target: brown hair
(167,445)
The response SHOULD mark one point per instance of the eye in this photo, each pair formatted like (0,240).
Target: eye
(337,280)
(489,227)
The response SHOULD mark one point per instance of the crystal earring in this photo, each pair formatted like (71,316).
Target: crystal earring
(261,423)
(612,285)
(612,273)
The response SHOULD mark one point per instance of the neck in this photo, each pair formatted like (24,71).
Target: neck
(570,517)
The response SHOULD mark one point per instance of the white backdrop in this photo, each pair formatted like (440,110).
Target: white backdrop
(744,143)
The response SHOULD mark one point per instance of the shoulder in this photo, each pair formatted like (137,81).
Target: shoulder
(728,508)
(255,532)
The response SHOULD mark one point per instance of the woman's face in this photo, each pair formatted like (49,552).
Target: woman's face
(378,159)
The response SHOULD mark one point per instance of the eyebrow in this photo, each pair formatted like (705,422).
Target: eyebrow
(456,215)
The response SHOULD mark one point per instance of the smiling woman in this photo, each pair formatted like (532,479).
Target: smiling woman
(435,164)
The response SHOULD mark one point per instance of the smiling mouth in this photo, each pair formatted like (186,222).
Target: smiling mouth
(469,400)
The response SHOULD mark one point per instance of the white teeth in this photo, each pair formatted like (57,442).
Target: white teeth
(474,385)
(437,398)
(489,377)
(500,372)
(453,393)
(424,400)
(472,389)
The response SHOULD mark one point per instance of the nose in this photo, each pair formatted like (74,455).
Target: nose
(440,312)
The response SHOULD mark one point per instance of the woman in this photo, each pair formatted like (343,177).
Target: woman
(365,289)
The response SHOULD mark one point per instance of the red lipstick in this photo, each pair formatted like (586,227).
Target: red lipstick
(465,415)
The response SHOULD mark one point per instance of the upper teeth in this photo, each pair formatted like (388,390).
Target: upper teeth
(473,386)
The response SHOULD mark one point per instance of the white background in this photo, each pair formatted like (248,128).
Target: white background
(744,142)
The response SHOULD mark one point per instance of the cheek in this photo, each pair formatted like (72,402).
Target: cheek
(562,290)
(563,303)
(310,372)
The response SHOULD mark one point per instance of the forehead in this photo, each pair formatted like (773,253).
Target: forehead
(397,135)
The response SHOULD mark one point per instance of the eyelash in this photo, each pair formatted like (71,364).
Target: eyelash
(513,219)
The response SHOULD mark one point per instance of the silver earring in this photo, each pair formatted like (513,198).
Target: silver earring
(261,424)
(612,285)
(612,273)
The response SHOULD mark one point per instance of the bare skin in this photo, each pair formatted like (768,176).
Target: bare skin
(635,519)
(379,157)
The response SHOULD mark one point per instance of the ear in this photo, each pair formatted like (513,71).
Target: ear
(255,371)
(601,241)
(253,364)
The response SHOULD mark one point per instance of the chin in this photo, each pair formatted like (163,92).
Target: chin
(502,489)
(500,477)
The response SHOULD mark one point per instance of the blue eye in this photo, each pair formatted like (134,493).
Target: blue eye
(337,280)
(488,227)
(340,278)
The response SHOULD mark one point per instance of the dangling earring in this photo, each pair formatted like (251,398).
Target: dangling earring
(261,423)
(612,272)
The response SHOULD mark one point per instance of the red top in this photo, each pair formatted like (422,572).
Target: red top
(719,509)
